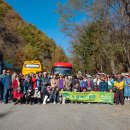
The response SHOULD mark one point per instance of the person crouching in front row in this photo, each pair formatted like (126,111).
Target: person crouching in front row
(29,97)
(45,95)
(76,87)
(37,96)
(18,96)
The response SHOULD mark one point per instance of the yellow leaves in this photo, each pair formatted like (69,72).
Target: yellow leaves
(31,43)
(59,55)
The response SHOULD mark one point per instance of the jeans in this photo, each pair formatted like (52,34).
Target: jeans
(1,93)
(54,97)
(7,94)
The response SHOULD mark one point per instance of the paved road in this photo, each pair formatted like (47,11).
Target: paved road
(65,117)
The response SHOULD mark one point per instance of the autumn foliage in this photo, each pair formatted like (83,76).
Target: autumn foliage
(20,41)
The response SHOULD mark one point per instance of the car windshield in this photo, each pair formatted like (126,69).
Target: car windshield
(63,70)
(32,66)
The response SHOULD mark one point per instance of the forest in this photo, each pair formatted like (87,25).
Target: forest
(100,34)
(20,41)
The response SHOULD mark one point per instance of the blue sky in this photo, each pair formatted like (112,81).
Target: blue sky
(42,13)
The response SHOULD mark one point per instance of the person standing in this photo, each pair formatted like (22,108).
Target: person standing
(2,86)
(13,76)
(27,85)
(34,81)
(7,82)
(22,81)
(45,82)
(1,90)
(67,83)
(127,87)
(111,84)
(15,84)
(38,81)
(82,83)
(61,82)
(74,80)
(90,84)
(103,86)
(54,81)
(96,82)
(54,89)
(119,85)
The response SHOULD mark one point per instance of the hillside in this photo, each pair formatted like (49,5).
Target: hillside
(20,41)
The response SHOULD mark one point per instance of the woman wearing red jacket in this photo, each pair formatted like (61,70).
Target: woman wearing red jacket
(15,84)
(17,96)
(34,81)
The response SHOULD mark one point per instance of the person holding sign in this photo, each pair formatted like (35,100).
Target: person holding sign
(103,86)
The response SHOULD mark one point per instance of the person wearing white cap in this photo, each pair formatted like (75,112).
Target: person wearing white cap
(67,83)
(127,87)
(44,73)
(37,96)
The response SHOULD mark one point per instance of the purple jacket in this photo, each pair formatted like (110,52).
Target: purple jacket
(60,83)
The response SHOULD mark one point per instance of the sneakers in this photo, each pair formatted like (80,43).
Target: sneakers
(45,100)
(128,98)
(44,103)
(63,100)
(125,99)
(48,100)
(54,102)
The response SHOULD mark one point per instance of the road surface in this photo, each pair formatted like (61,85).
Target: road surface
(65,117)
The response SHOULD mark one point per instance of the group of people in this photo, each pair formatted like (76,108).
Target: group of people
(43,88)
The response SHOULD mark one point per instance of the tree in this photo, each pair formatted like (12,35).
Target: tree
(104,35)
(20,41)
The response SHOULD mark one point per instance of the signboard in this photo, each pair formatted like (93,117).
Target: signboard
(101,97)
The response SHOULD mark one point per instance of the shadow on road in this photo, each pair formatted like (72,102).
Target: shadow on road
(4,114)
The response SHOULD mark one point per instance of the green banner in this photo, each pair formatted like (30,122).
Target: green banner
(102,97)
